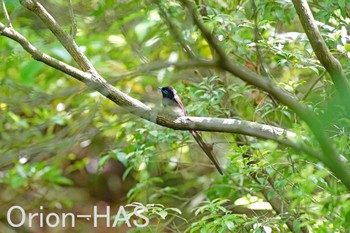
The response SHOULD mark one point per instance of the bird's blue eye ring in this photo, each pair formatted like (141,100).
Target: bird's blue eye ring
(165,92)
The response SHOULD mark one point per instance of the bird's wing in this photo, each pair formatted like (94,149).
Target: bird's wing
(179,102)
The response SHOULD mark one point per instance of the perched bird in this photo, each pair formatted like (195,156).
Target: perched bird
(173,105)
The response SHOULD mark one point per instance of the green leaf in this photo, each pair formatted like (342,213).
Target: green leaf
(122,157)
(296,225)
(30,72)
(17,181)
(270,194)
(63,180)
(229,224)
(102,161)
(142,29)
(126,172)
(347,47)
(175,210)
(59,120)
(163,214)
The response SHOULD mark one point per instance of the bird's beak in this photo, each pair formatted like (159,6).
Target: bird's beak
(160,88)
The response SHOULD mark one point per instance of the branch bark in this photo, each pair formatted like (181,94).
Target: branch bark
(4,10)
(331,64)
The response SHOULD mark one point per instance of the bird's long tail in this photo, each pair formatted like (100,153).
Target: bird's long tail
(206,149)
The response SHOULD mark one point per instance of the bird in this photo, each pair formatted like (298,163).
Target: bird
(174,106)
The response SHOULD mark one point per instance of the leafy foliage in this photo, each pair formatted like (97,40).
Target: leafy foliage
(59,137)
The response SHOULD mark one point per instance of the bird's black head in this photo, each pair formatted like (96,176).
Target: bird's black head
(168,92)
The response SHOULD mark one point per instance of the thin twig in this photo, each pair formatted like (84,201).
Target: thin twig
(313,85)
(256,39)
(258,51)
(73,25)
(172,27)
(89,79)
(65,39)
(7,17)
(212,41)
(164,64)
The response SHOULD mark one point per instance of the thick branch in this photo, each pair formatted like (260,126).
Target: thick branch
(249,128)
(138,108)
(91,80)
(322,52)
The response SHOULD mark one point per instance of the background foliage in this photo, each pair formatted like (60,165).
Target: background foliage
(67,148)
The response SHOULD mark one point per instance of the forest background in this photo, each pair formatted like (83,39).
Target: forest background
(267,82)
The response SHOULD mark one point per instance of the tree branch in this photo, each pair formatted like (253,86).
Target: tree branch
(4,10)
(73,23)
(66,40)
(249,128)
(165,64)
(331,64)
(40,56)
(174,31)
(280,206)
(256,40)
(96,83)
(138,108)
